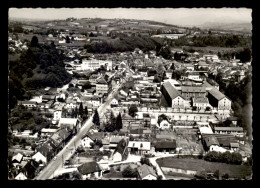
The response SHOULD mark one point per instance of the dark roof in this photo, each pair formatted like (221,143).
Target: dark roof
(89,167)
(45,149)
(49,97)
(223,139)
(232,118)
(145,170)
(63,133)
(228,128)
(166,144)
(211,140)
(193,89)
(171,90)
(122,148)
(30,168)
(217,94)
(101,81)
(96,135)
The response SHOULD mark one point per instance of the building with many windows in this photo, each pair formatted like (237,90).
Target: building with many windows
(219,100)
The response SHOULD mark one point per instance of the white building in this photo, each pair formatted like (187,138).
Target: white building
(164,124)
(94,64)
(21,176)
(39,157)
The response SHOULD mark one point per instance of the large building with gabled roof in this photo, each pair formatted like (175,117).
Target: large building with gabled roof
(173,96)
(219,100)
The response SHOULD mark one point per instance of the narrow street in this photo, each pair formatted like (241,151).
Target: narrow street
(69,149)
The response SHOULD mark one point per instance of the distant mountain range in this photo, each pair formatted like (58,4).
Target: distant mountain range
(234,25)
(247,27)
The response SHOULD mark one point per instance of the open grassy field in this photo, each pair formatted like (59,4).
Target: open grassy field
(234,171)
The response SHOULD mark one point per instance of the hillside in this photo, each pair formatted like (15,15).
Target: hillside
(38,67)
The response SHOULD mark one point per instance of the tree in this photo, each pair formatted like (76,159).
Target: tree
(131,138)
(87,85)
(216,174)
(85,113)
(128,172)
(81,111)
(236,158)
(96,119)
(145,160)
(34,41)
(119,123)
(132,110)
(67,39)
(172,67)
(225,176)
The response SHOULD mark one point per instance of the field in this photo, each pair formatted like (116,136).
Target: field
(234,171)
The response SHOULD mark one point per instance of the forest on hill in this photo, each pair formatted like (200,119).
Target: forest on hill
(38,67)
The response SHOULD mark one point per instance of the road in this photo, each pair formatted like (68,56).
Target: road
(55,165)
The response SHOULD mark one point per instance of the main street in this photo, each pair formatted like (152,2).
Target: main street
(55,165)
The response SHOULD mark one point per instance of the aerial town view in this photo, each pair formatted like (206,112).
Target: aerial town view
(129,94)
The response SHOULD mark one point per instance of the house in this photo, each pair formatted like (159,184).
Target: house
(219,100)
(29,104)
(48,131)
(146,172)
(164,124)
(121,151)
(20,176)
(169,73)
(30,169)
(17,158)
(165,146)
(223,140)
(193,91)
(102,86)
(194,76)
(114,102)
(93,78)
(38,157)
(124,93)
(173,96)
(211,143)
(139,147)
(86,142)
(236,131)
(233,120)
(71,123)
(90,169)
(56,115)
(47,98)
(200,102)
(46,150)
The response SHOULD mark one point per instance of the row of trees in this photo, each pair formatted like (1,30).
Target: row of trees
(226,157)
(122,45)
(115,123)
(214,40)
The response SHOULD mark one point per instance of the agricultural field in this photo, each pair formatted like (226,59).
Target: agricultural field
(199,165)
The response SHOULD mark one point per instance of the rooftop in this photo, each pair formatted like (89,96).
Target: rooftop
(216,94)
(193,89)
(145,170)
(171,90)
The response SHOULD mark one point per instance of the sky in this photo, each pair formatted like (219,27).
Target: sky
(175,16)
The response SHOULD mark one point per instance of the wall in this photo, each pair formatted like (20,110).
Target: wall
(177,170)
